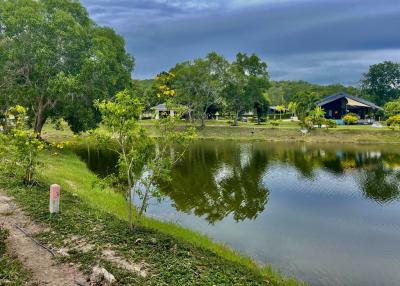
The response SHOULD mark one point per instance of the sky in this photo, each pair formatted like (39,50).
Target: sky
(320,41)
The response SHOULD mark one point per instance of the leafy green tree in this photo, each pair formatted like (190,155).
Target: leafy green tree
(246,82)
(394,122)
(25,142)
(283,92)
(261,106)
(292,107)
(392,107)
(382,82)
(199,84)
(120,120)
(317,116)
(305,102)
(143,160)
(57,60)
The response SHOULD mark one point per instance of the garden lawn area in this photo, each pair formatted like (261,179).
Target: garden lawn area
(172,254)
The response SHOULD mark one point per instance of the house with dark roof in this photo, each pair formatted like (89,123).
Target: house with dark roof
(339,104)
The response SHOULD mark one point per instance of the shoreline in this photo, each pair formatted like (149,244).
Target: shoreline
(346,134)
(81,185)
(287,133)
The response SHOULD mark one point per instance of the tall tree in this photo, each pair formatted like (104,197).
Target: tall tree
(261,106)
(392,107)
(382,82)
(58,60)
(199,84)
(246,82)
(305,102)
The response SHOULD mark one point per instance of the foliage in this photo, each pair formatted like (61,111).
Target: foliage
(392,107)
(199,84)
(305,102)
(382,82)
(316,117)
(55,59)
(120,121)
(163,83)
(246,82)
(275,123)
(330,123)
(261,106)
(350,118)
(25,142)
(394,121)
(284,92)
(280,109)
(292,107)
(146,91)
(143,160)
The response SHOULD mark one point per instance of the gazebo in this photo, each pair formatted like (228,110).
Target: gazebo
(163,109)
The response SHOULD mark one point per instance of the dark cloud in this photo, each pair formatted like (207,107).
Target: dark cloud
(324,41)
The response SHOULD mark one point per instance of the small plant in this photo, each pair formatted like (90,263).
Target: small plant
(26,143)
(394,122)
(275,123)
(142,160)
(350,118)
(330,123)
(316,117)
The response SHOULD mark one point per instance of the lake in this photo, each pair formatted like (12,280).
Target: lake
(325,214)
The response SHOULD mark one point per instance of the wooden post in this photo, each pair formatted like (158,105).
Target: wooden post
(55,198)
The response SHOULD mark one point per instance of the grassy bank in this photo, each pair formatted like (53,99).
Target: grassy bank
(175,255)
(11,270)
(286,132)
(290,132)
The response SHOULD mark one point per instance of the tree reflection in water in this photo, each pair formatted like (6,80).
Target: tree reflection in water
(215,182)
(217,179)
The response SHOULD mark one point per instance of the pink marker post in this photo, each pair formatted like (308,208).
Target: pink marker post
(55,198)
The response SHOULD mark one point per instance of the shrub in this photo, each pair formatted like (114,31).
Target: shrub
(350,118)
(394,121)
(22,145)
(330,123)
(275,123)
(392,108)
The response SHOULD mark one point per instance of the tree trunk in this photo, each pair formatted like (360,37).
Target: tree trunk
(203,124)
(142,208)
(40,118)
(235,123)
(130,220)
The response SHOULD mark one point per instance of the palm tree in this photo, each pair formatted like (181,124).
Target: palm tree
(292,108)
(280,109)
(318,114)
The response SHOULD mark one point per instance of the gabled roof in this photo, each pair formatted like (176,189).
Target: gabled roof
(340,95)
(160,107)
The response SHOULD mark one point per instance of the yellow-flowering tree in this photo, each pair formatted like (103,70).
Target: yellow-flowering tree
(25,142)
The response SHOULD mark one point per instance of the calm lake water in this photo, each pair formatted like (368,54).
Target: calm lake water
(326,214)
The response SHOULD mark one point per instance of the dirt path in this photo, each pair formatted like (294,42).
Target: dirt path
(39,261)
